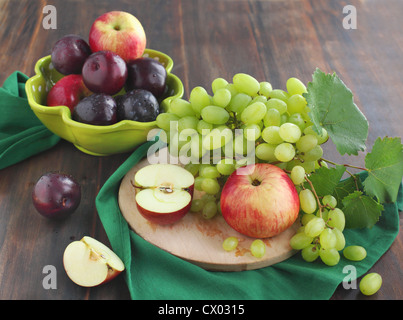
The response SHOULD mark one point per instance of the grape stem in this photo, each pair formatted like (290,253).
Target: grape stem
(315,194)
(346,165)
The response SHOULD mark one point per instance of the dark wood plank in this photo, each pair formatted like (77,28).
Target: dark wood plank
(272,40)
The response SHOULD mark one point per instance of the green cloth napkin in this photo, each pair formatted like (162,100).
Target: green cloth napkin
(153,274)
(22,134)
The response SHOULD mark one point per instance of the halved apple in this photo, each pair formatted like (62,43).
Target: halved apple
(89,262)
(164,192)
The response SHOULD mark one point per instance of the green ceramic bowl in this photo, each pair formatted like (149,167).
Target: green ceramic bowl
(120,137)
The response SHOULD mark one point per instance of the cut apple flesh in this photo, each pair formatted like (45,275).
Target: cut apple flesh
(89,263)
(163,192)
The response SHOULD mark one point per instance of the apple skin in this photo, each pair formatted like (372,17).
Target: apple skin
(90,263)
(166,218)
(120,32)
(263,210)
(68,91)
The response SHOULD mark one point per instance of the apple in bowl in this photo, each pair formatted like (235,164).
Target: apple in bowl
(120,32)
(89,263)
(164,192)
(259,200)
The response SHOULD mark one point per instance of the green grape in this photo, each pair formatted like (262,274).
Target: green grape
(230,243)
(251,132)
(322,138)
(278,104)
(253,113)
(187,122)
(307,142)
(193,168)
(297,119)
(271,135)
(215,115)
(284,152)
(217,138)
(370,284)
(309,166)
(218,83)
(337,219)
(295,86)
(296,104)
(222,97)
(258,248)
(283,118)
(181,108)
(306,217)
(210,186)
(328,239)
(164,120)
(298,175)
(231,88)
(314,154)
(310,253)
(340,239)
(300,241)
(265,88)
(272,118)
(208,197)
(199,98)
(330,257)
(289,132)
(279,94)
(197,205)
(261,99)
(246,84)
(265,151)
(243,146)
(325,214)
(203,125)
(209,172)
(315,227)
(239,102)
(226,166)
(330,201)
(198,182)
(209,210)
(355,253)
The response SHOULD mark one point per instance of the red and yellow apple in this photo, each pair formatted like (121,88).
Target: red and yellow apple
(89,262)
(259,201)
(68,91)
(164,192)
(120,32)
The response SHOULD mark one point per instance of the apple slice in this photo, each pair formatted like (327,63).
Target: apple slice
(89,262)
(164,192)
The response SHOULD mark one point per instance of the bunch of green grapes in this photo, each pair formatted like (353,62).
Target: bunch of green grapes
(321,234)
(241,118)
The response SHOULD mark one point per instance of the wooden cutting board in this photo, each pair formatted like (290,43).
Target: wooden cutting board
(198,240)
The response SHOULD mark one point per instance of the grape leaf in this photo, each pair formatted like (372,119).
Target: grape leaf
(385,169)
(325,180)
(332,108)
(347,186)
(361,211)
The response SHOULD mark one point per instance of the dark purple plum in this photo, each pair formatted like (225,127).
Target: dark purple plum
(148,74)
(69,54)
(137,105)
(56,195)
(104,72)
(98,109)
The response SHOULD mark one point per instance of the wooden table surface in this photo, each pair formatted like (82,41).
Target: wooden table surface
(272,40)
